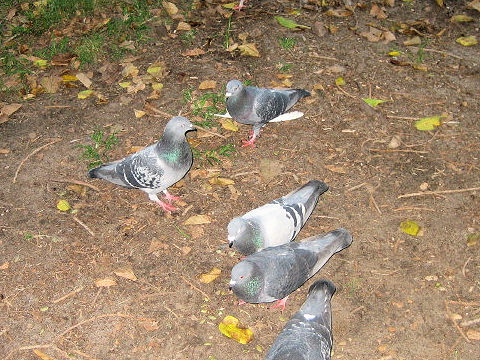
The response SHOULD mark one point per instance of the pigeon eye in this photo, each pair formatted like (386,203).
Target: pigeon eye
(241,277)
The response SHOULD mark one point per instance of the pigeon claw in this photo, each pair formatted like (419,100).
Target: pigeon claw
(241,302)
(166,207)
(247,143)
(170,198)
(280,304)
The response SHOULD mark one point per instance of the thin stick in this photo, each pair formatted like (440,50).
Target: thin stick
(68,295)
(171,311)
(246,173)
(28,347)
(93,319)
(402,117)
(158,111)
(76,182)
(357,309)
(438,52)
(406,208)
(400,150)
(454,191)
(455,323)
(339,88)
(356,187)
(465,266)
(194,287)
(56,106)
(470,322)
(82,224)
(327,217)
(31,154)
(210,132)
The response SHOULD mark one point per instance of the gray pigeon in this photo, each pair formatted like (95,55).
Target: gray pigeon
(156,167)
(308,334)
(273,273)
(275,223)
(256,106)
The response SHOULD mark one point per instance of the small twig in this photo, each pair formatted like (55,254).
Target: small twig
(57,106)
(470,322)
(464,303)
(455,323)
(374,203)
(93,319)
(356,187)
(194,287)
(399,150)
(357,309)
(346,93)
(171,311)
(82,224)
(438,52)
(28,347)
(158,111)
(31,154)
(402,117)
(76,182)
(210,132)
(246,173)
(439,192)
(327,217)
(407,208)
(465,266)
(68,295)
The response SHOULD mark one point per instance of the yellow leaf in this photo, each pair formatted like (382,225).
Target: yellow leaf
(410,227)
(249,49)
(461,18)
(157,86)
(42,355)
(230,327)
(428,123)
(126,273)
(228,124)
(125,84)
(107,282)
(69,78)
(207,84)
(339,81)
(473,239)
(85,94)
(210,276)
(221,181)
(229,5)
(40,63)
(394,53)
(63,205)
(467,40)
(439,3)
(139,113)
(156,70)
(198,220)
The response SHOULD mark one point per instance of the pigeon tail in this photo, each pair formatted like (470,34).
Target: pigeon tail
(288,116)
(307,194)
(107,172)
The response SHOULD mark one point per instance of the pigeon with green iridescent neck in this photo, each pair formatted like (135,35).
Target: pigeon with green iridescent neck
(273,273)
(277,222)
(156,167)
(308,334)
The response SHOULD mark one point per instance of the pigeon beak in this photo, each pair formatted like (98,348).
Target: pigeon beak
(230,241)
(232,284)
(230,244)
(228,94)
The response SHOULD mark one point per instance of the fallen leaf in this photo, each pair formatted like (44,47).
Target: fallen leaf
(85,94)
(156,245)
(9,109)
(373,102)
(290,24)
(69,78)
(249,49)
(340,81)
(413,41)
(336,169)
(50,84)
(126,272)
(394,142)
(4,151)
(183,26)
(467,40)
(338,12)
(130,70)
(4,266)
(150,324)
(157,70)
(428,123)
(473,334)
(210,276)
(461,18)
(394,53)
(207,84)
(431,278)
(41,63)
(193,52)
(269,169)
(63,205)
(439,3)
(170,8)
(198,220)
(475,4)
(139,113)
(125,84)
(77,189)
(473,239)
(157,86)
(42,355)
(228,124)
(84,79)
(409,227)
(373,35)
(107,282)
(221,181)
(231,327)
(378,12)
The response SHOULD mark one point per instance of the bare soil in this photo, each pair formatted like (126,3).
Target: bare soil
(398,296)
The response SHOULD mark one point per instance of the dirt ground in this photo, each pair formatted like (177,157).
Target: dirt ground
(398,296)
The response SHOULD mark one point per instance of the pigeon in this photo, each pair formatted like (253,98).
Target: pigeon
(308,334)
(256,106)
(273,273)
(277,222)
(156,167)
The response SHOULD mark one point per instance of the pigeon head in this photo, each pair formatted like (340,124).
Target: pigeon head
(247,281)
(177,127)
(233,88)
(241,236)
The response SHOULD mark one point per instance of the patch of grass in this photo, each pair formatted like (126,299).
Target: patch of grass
(352,286)
(208,105)
(97,153)
(187,95)
(188,36)
(248,82)
(284,67)
(90,48)
(13,65)
(56,47)
(287,43)
(227,33)
(214,156)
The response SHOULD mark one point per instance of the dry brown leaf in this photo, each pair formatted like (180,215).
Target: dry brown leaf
(338,12)
(475,4)
(107,282)
(373,35)
(126,272)
(149,324)
(207,84)
(193,52)
(156,245)
(249,49)
(9,109)
(183,26)
(269,169)
(42,355)
(234,192)
(378,12)
(210,276)
(202,173)
(170,8)
(413,41)
(388,36)
(473,334)
(50,84)
(139,113)
(4,151)
(80,190)
(130,70)
(84,79)
(4,266)
(198,220)
(221,181)
(336,169)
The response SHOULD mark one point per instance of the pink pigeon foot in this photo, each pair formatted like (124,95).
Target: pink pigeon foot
(166,207)
(281,304)
(240,5)
(250,141)
(170,198)
(241,302)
